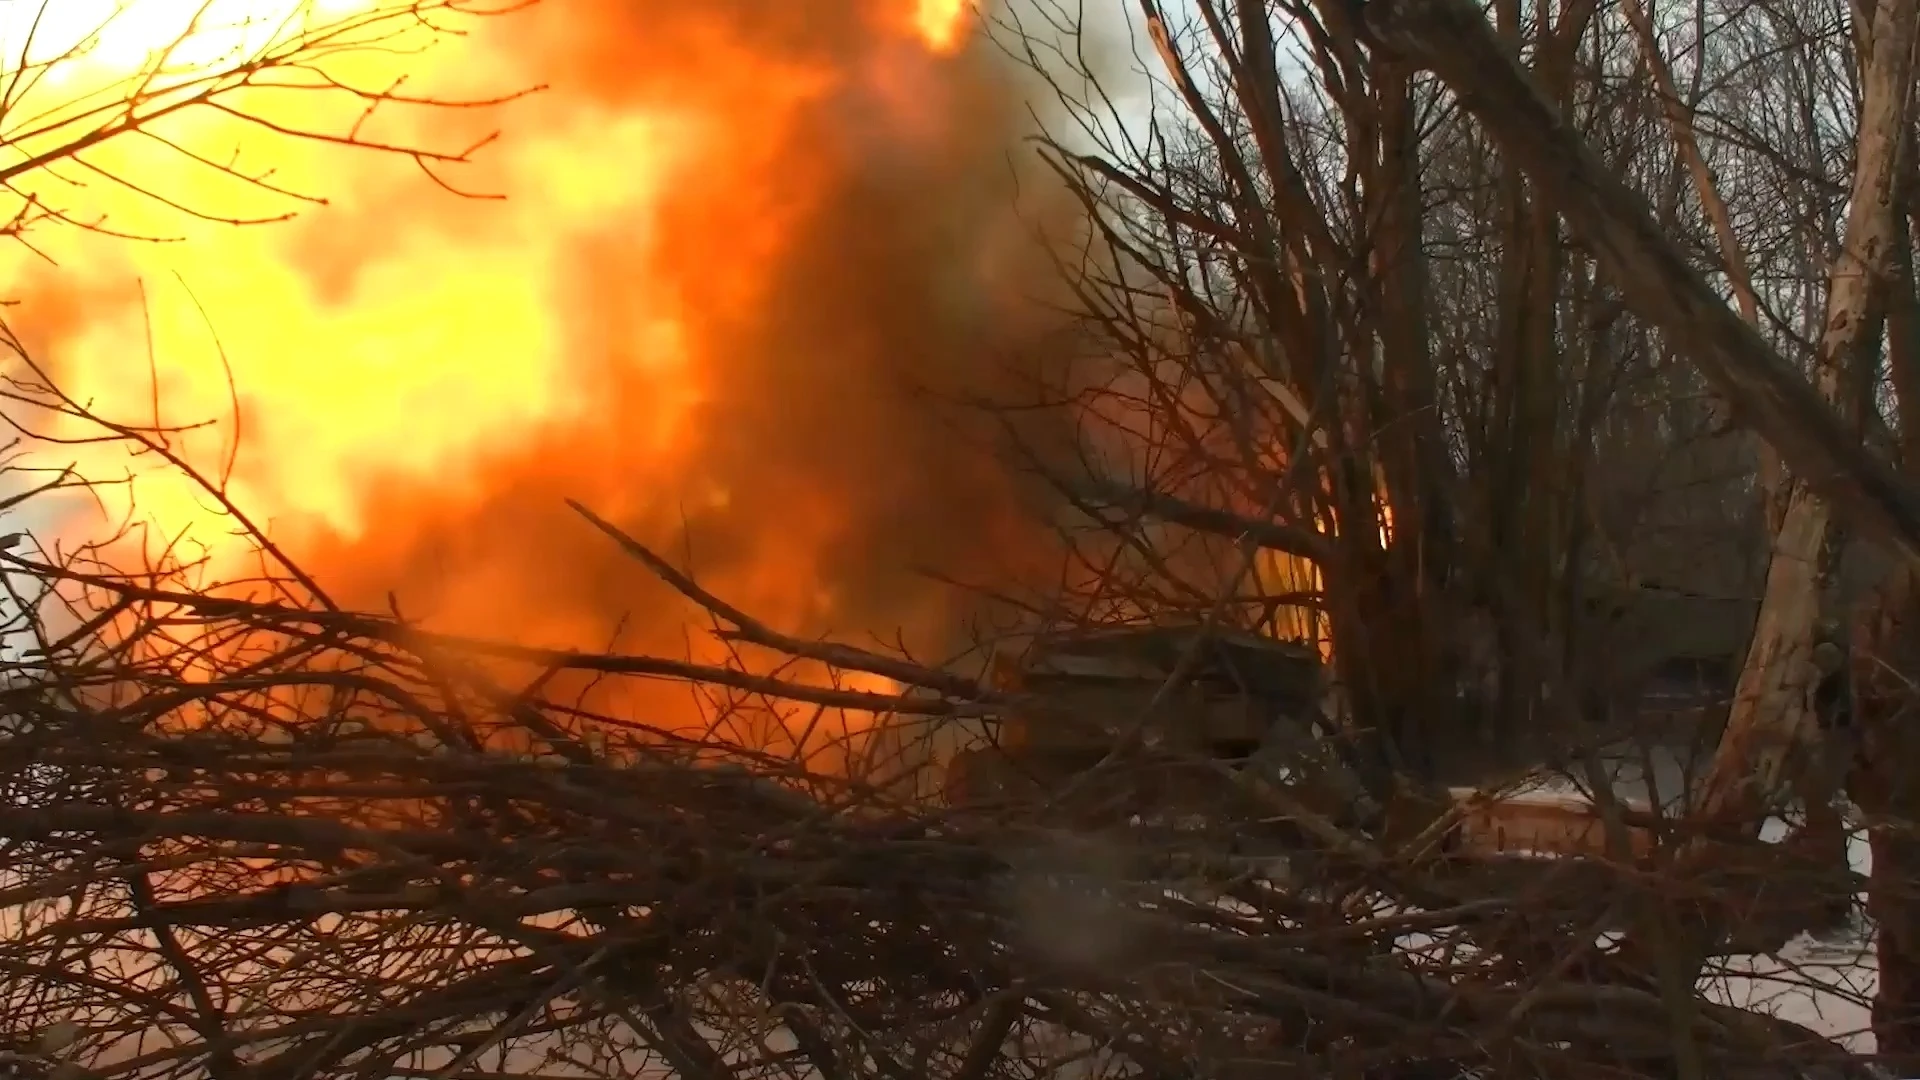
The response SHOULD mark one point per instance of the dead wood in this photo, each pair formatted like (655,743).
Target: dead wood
(358,853)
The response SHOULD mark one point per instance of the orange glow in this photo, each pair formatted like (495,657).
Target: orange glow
(403,384)
(941,24)
(119,35)
(1279,573)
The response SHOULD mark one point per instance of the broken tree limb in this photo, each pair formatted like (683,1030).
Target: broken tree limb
(748,629)
(296,622)
(1139,502)
(1452,39)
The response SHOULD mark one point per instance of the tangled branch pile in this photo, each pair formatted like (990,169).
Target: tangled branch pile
(275,841)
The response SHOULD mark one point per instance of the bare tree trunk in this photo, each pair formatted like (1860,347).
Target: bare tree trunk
(1886,648)
(1420,552)
(1885,651)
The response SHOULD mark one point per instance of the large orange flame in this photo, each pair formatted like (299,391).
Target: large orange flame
(728,231)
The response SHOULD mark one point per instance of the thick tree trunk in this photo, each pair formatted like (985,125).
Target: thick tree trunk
(1398,608)
(1886,651)
(1776,684)
(1414,453)
(1895,911)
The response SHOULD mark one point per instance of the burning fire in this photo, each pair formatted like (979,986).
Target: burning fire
(724,237)
(940,23)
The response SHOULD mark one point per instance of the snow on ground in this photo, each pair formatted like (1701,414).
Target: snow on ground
(1824,984)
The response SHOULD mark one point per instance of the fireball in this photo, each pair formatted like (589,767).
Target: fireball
(678,287)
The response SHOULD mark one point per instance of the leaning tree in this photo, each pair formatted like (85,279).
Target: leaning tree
(1397,301)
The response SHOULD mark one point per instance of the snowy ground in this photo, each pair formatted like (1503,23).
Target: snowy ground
(1824,984)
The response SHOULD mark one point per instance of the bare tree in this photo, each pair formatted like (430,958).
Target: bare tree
(1271,273)
(71,111)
